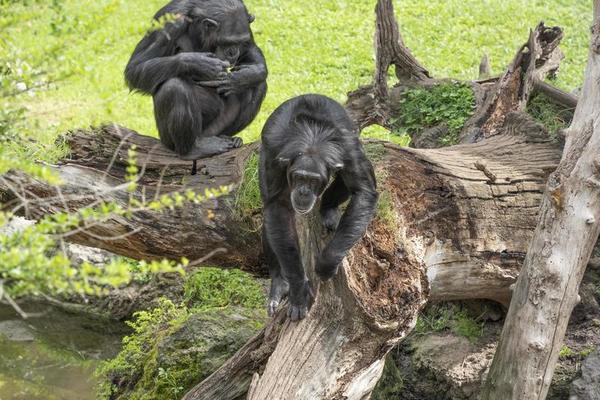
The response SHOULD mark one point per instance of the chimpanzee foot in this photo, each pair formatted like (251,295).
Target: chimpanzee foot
(210,146)
(279,289)
(301,300)
(330,217)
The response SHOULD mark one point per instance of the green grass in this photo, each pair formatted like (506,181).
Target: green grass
(448,103)
(551,115)
(74,51)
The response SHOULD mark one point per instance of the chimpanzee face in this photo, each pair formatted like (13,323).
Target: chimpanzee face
(307,178)
(228,37)
(233,37)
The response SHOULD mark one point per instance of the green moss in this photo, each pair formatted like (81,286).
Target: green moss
(449,316)
(551,115)
(131,373)
(446,103)
(386,212)
(215,287)
(374,151)
(248,199)
(174,347)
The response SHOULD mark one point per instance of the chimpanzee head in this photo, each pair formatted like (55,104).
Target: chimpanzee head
(222,27)
(310,160)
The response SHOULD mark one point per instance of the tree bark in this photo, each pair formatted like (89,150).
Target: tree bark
(568,227)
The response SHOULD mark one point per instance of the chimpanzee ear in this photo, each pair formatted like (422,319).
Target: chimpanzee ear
(209,24)
(251,18)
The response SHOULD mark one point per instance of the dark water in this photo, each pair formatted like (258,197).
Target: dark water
(52,355)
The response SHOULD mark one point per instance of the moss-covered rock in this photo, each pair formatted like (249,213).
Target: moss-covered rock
(176,345)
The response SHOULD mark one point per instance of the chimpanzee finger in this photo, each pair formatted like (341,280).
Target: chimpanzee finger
(214,84)
(225,90)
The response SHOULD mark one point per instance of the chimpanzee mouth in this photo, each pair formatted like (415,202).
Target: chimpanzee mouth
(301,210)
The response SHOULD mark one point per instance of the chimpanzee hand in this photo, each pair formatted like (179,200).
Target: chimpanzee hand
(204,65)
(301,298)
(330,218)
(327,265)
(228,83)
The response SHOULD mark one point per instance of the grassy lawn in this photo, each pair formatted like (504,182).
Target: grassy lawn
(76,51)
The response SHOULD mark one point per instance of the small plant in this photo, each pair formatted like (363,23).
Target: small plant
(386,212)
(565,352)
(248,200)
(422,108)
(447,316)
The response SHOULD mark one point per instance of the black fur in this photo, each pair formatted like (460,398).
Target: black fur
(308,141)
(198,104)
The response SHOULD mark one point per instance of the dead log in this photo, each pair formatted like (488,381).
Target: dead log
(96,166)
(568,227)
(560,97)
(535,60)
(474,206)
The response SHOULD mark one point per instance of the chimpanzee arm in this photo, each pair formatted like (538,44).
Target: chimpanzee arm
(154,60)
(359,178)
(252,69)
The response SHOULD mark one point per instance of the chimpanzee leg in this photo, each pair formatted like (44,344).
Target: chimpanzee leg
(336,194)
(250,102)
(181,109)
(279,286)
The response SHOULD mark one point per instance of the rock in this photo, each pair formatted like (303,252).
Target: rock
(445,366)
(16,331)
(588,386)
(15,225)
(77,253)
(430,137)
(173,348)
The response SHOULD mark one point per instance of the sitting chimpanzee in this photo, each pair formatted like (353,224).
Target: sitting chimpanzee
(205,73)
(306,142)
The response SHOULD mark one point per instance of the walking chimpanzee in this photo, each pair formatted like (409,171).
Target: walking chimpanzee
(306,143)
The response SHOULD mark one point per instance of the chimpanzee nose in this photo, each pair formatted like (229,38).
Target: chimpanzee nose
(304,191)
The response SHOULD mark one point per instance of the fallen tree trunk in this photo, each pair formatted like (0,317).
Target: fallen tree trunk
(548,286)
(473,206)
